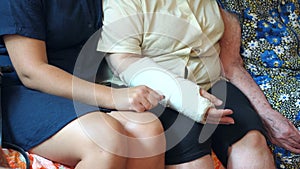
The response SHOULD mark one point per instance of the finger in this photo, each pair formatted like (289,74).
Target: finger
(289,147)
(222,120)
(294,142)
(285,144)
(145,103)
(218,113)
(219,116)
(137,106)
(211,97)
(156,95)
(226,120)
(153,100)
(296,136)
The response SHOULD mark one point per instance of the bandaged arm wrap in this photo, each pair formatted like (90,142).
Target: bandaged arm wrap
(180,94)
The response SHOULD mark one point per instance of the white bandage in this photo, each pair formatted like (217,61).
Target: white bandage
(180,94)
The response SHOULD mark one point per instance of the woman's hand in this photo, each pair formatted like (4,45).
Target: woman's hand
(139,98)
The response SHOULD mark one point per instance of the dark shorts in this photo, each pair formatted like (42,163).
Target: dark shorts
(188,140)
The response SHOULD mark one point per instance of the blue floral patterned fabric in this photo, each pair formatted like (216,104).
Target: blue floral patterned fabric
(271,54)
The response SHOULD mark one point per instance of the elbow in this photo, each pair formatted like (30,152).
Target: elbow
(228,73)
(232,63)
(233,69)
(29,77)
(27,81)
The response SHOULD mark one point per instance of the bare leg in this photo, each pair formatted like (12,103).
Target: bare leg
(203,163)
(87,143)
(251,152)
(146,141)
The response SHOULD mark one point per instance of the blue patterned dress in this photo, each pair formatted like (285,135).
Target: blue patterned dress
(271,54)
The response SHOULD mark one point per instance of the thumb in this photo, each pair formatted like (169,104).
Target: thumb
(210,97)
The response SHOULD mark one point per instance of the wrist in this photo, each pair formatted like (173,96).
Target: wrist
(266,113)
(105,96)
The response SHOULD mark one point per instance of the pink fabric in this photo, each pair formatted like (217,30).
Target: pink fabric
(16,160)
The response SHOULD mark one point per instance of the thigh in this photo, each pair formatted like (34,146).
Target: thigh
(30,117)
(246,119)
(95,131)
(182,137)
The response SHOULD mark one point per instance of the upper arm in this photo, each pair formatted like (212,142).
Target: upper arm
(122,30)
(118,62)
(26,54)
(230,43)
(26,18)
(122,33)
(23,31)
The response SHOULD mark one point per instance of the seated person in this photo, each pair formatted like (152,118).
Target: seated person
(270,54)
(51,111)
(172,47)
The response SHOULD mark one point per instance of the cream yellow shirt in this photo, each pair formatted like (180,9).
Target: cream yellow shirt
(180,35)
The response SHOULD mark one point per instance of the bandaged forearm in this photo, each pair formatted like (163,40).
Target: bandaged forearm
(180,94)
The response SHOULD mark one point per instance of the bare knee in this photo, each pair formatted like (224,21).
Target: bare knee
(145,128)
(248,152)
(146,137)
(253,142)
(254,138)
(117,140)
(105,145)
(84,139)
(105,132)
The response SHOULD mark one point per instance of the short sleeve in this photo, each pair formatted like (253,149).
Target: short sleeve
(122,29)
(22,17)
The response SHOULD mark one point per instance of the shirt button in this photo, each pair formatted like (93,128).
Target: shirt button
(195,51)
(90,25)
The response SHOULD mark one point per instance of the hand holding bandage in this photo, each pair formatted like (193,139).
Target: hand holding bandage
(180,94)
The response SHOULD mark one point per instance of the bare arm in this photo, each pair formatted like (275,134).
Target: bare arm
(30,61)
(119,62)
(280,130)
(180,94)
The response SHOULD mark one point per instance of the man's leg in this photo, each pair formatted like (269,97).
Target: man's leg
(243,144)
(251,152)
(184,150)
(203,163)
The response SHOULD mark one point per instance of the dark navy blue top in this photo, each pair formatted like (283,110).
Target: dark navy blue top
(64,25)
(30,117)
